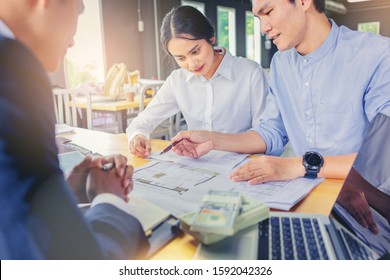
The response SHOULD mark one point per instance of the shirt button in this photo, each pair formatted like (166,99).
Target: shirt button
(307,112)
(307,84)
(305,61)
(309,140)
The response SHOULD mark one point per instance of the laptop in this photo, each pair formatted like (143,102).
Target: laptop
(289,236)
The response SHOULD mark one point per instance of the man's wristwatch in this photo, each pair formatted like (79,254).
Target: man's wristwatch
(312,161)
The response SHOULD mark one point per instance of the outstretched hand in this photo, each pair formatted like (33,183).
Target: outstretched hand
(268,168)
(355,202)
(193,143)
(140,146)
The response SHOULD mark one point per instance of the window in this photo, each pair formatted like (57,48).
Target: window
(195,4)
(226,28)
(253,37)
(85,61)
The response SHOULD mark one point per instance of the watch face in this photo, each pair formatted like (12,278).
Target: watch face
(313,159)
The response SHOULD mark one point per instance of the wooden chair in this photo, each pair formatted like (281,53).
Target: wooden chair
(149,88)
(65,106)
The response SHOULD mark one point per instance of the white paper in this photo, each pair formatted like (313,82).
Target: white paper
(69,160)
(214,160)
(61,128)
(150,215)
(180,188)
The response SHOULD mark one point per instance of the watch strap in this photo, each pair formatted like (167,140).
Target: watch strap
(311,174)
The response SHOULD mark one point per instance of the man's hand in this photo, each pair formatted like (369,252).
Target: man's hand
(194,144)
(269,168)
(100,181)
(140,146)
(77,178)
(354,200)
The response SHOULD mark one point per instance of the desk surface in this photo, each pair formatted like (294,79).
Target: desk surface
(112,106)
(320,200)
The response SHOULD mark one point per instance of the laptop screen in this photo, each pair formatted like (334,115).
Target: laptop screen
(363,204)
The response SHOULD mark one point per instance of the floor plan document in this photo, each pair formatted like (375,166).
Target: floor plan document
(213,160)
(179,188)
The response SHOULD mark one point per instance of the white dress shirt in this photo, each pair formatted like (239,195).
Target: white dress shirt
(5,31)
(231,101)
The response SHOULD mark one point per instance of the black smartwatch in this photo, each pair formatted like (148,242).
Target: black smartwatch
(312,161)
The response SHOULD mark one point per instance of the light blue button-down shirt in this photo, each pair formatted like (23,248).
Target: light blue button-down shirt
(325,101)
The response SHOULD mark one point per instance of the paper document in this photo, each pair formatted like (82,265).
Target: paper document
(175,187)
(69,160)
(214,160)
(61,128)
(180,188)
(149,214)
(281,195)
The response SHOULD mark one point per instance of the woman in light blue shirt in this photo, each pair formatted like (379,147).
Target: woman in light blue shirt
(213,89)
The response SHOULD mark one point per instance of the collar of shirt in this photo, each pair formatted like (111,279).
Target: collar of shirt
(325,48)
(5,31)
(224,69)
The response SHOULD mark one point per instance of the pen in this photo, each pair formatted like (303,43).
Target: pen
(169,147)
(108,166)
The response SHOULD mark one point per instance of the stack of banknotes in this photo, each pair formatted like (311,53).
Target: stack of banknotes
(222,214)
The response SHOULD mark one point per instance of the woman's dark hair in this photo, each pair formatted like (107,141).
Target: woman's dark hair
(185,20)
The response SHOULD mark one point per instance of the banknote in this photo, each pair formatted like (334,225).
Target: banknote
(252,211)
(218,212)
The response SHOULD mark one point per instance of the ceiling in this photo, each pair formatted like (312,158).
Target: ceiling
(365,4)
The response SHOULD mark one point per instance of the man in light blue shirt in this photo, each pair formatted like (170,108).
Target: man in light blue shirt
(327,83)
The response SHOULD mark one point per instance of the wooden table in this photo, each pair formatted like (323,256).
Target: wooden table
(320,200)
(118,108)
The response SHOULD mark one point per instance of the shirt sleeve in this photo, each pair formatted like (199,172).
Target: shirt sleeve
(271,127)
(374,154)
(377,97)
(114,200)
(259,91)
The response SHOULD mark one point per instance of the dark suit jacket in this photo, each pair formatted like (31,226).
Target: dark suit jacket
(39,217)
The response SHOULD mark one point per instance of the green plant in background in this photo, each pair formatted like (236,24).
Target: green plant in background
(372,27)
(223,29)
(75,74)
(250,34)
(250,24)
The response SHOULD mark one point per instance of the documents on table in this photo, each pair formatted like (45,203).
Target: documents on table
(281,195)
(69,160)
(149,214)
(61,128)
(214,160)
(179,185)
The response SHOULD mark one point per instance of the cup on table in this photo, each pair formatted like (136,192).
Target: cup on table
(129,92)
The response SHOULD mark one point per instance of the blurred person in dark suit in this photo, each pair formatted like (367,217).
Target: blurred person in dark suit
(39,217)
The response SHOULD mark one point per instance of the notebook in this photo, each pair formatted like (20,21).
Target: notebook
(303,236)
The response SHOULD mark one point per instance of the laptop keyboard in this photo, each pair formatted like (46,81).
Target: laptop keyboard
(356,250)
(291,238)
